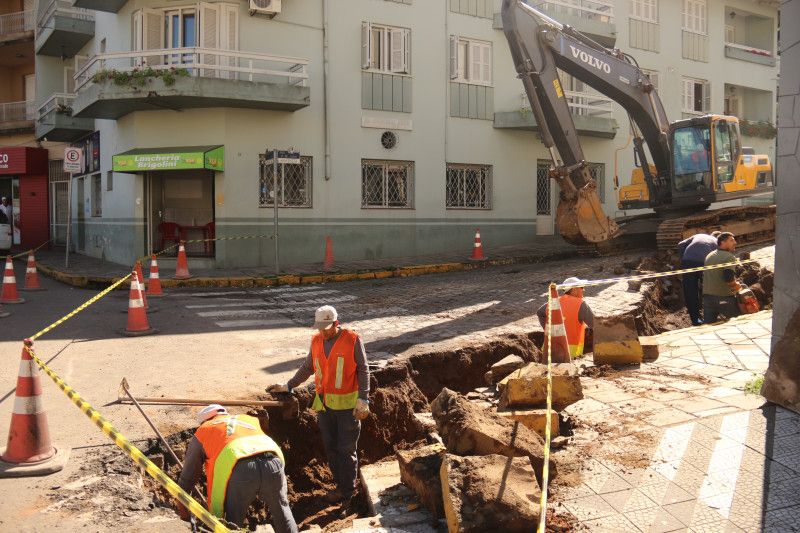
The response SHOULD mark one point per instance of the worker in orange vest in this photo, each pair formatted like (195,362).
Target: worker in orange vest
(241,463)
(577,317)
(338,361)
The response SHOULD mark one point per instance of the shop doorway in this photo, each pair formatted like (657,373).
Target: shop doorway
(181,207)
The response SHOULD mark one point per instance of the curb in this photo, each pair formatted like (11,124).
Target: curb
(305,279)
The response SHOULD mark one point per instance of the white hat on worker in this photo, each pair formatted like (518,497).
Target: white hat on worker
(573,281)
(210,411)
(325,316)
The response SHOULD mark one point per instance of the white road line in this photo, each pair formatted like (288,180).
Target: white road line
(723,469)
(273,304)
(251,323)
(307,288)
(257,312)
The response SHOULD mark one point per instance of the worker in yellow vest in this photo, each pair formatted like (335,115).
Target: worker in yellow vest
(338,361)
(577,317)
(242,463)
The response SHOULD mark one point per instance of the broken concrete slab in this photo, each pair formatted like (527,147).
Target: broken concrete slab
(425,421)
(392,503)
(527,386)
(616,341)
(489,493)
(503,367)
(468,430)
(650,348)
(419,471)
(533,419)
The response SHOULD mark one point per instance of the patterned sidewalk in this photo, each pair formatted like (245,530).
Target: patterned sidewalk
(677,445)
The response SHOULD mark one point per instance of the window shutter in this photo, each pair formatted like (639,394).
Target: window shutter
(398,56)
(69,80)
(487,63)
(366,45)
(136,33)
(706,97)
(230,37)
(474,62)
(454,74)
(209,34)
(152,34)
(688,90)
(407,50)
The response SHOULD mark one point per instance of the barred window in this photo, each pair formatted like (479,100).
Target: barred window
(598,172)
(469,186)
(387,183)
(294,183)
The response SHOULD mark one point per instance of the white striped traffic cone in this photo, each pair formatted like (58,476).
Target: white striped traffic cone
(137,315)
(477,249)
(9,294)
(31,275)
(558,332)
(154,286)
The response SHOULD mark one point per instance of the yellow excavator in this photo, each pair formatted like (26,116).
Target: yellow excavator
(696,161)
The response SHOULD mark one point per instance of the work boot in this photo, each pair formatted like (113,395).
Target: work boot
(333,496)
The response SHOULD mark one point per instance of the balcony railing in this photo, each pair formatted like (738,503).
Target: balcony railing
(200,62)
(18,22)
(597,10)
(58,102)
(66,8)
(17,111)
(750,49)
(584,104)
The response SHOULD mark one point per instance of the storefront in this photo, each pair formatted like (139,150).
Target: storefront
(23,180)
(179,183)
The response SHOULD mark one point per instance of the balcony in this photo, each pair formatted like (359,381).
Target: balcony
(749,36)
(63,29)
(109,6)
(16,27)
(17,117)
(749,53)
(112,85)
(592,114)
(55,122)
(595,18)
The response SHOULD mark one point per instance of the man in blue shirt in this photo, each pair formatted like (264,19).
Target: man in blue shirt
(693,252)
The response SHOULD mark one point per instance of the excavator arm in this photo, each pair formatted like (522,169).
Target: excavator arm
(539,47)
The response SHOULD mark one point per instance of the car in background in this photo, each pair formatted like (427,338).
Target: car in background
(5,234)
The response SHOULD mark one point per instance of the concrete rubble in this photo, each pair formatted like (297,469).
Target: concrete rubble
(503,367)
(489,493)
(616,341)
(533,419)
(527,387)
(419,471)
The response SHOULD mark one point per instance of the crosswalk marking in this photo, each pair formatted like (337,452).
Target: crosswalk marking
(277,291)
(260,303)
(254,323)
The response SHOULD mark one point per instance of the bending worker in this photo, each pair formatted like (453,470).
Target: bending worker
(720,285)
(339,363)
(577,317)
(693,252)
(241,462)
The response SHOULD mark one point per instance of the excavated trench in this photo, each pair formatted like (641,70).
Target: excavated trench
(406,386)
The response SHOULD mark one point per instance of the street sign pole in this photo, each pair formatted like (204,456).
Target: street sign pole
(69,219)
(73,163)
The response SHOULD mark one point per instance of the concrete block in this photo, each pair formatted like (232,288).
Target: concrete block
(503,367)
(527,387)
(616,341)
(419,471)
(533,419)
(650,348)
(468,430)
(489,493)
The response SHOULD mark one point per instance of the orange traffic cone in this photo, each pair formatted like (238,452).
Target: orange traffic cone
(182,266)
(137,314)
(557,331)
(138,268)
(9,295)
(29,451)
(31,275)
(328,263)
(477,250)
(154,286)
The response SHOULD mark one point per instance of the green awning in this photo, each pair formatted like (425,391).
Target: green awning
(170,158)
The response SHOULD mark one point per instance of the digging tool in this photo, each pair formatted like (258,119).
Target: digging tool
(124,387)
(288,403)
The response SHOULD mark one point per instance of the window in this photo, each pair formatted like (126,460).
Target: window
(387,184)
(294,183)
(730,34)
(385,48)
(732,102)
(470,61)
(696,96)
(543,188)
(97,196)
(694,16)
(646,10)
(109,181)
(468,186)
(653,75)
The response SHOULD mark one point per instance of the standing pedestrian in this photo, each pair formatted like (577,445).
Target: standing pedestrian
(693,252)
(577,316)
(341,377)
(6,209)
(719,284)
(242,463)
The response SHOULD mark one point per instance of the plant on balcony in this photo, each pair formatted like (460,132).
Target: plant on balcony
(64,109)
(754,128)
(139,77)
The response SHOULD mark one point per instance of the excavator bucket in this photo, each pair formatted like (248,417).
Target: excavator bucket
(582,221)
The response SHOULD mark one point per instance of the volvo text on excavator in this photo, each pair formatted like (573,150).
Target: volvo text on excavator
(695,162)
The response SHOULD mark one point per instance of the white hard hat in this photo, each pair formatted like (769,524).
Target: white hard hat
(210,411)
(325,316)
(573,281)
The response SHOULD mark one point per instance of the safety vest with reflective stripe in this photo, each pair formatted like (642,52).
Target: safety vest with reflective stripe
(576,330)
(225,440)
(335,376)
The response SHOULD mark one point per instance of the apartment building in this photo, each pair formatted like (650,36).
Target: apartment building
(405,123)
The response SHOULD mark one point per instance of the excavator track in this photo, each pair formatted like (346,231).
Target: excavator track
(749,224)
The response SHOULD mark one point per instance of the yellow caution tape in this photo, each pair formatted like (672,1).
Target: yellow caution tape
(26,252)
(234,238)
(548,423)
(134,453)
(653,275)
